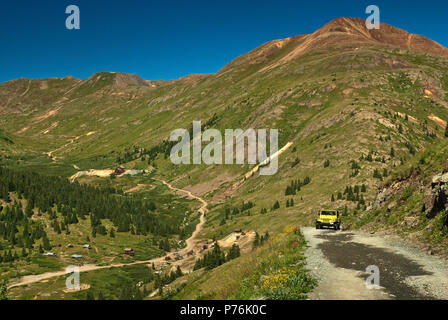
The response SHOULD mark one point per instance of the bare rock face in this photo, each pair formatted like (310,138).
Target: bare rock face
(380,199)
(436,197)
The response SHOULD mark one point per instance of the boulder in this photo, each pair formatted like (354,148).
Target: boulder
(392,205)
(440,179)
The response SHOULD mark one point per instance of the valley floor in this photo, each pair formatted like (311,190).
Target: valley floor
(338,260)
(191,246)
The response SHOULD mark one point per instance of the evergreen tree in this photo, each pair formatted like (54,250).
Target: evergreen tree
(377,174)
(4,290)
(29,211)
(89,295)
(56,197)
(179,272)
(46,243)
(211,259)
(256,240)
(266,236)
(234,252)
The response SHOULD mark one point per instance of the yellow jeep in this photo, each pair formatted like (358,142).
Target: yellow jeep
(329,219)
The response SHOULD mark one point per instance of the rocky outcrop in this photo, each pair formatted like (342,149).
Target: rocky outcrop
(386,193)
(436,196)
(380,199)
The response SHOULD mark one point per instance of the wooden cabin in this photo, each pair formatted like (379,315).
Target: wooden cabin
(129,252)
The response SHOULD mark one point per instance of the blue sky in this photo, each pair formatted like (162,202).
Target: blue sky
(170,39)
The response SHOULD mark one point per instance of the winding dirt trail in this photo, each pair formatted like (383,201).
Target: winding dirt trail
(54,158)
(202,210)
(190,243)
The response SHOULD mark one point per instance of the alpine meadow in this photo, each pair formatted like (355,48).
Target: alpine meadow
(157,190)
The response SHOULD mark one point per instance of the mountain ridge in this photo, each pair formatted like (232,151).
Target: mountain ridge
(338,31)
(350,32)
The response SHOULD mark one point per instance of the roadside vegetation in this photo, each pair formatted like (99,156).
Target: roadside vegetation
(275,269)
(409,191)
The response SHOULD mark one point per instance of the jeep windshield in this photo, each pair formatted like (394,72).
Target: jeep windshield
(328,213)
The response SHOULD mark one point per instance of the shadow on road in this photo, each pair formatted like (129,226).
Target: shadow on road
(343,252)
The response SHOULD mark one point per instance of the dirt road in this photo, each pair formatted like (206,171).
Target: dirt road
(190,243)
(339,260)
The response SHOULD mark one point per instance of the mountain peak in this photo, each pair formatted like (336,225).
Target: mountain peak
(342,34)
(111,80)
(349,29)
(118,79)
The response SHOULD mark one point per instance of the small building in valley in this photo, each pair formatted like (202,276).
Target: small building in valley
(49,254)
(129,252)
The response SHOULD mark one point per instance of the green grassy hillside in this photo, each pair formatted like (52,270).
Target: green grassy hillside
(357,106)
(412,201)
